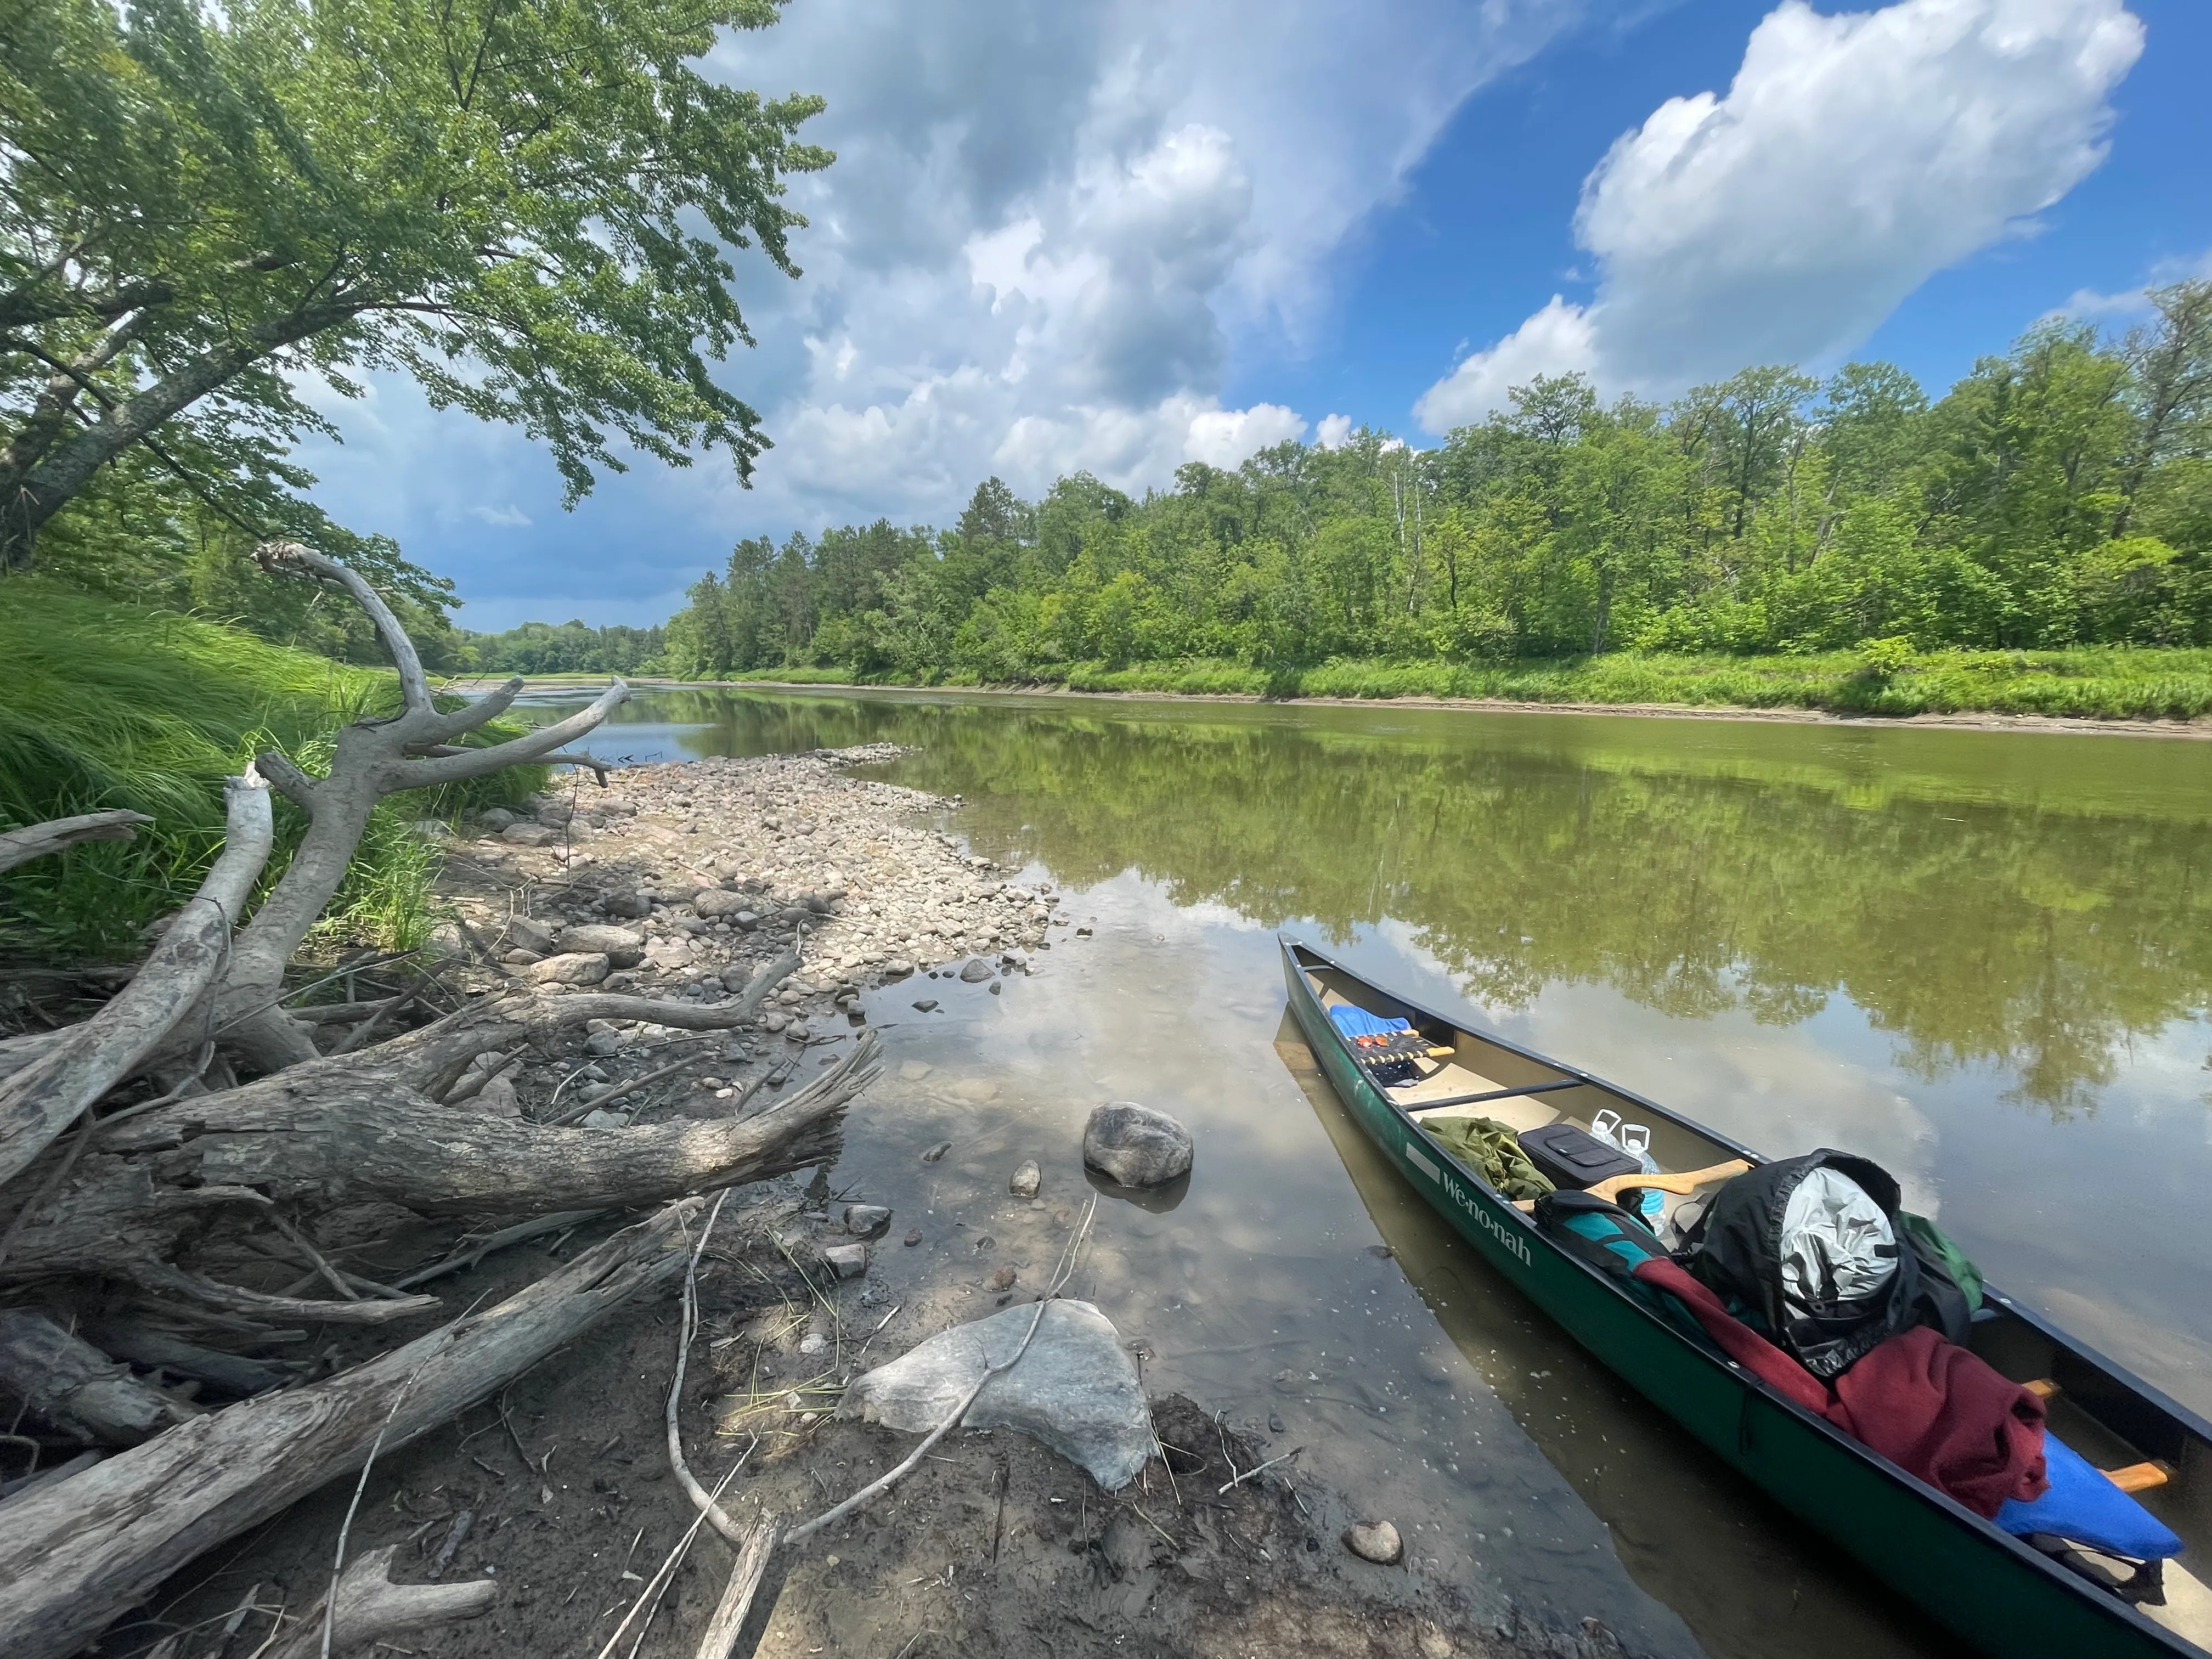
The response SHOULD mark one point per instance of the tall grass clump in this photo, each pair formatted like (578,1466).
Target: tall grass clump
(107,704)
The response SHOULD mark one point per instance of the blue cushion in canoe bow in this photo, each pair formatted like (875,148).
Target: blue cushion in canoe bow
(2085,1508)
(1358,1023)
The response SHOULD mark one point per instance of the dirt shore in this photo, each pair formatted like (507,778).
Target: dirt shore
(560,1488)
(2076,726)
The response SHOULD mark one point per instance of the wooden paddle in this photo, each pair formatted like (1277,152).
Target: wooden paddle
(1683,1181)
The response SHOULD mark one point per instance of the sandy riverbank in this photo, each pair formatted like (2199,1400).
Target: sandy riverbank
(1960,722)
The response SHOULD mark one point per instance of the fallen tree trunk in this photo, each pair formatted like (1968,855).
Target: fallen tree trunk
(68,1384)
(43,1098)
(75,1555)
(321,1140)
(22,846)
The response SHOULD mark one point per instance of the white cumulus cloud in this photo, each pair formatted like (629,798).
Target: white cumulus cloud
(1852,158)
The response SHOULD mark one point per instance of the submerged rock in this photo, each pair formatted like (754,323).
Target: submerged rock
(976,970)
(1026,1180)
(1136,1146)
(867,1220)
(1376,1541)
(1075,1389)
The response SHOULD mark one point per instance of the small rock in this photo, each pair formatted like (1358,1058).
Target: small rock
(985,1244)
(996,987)
(774,1020)
(556,814)
(1003,1278)
(927,1005)
(897,968)
(978,970)
(746,920)
(1026,1180)
(495,819)
(1136,1146)
(711,901)
(528,835)
(937,1152)
(913,1237)
(604,1044)
(621,946)
(572,968)
(530,935)
(850,1261)
(813,1342)
(1083,932)
(604,1118)
(912,1070)
(627,904)
(1376,1541)
(1274,1423)
(1435,1645)
(867,1220)
(518,958)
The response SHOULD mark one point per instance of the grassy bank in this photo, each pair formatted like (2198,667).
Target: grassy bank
(110,705)
(2095,683)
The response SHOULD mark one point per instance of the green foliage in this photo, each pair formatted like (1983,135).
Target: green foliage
(528,205)
(571,647)
(2058,496)
(109,704)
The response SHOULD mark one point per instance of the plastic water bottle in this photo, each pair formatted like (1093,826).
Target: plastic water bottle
(1635,1139)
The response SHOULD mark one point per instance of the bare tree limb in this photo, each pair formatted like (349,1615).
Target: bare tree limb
(460,766)
(71,1386)
(281,557)
(38,1102)
(22,846)
(473,716)
(369,1609)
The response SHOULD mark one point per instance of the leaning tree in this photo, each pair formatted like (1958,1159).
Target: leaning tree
(127,1141)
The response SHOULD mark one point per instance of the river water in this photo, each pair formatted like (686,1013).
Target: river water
(1981,958)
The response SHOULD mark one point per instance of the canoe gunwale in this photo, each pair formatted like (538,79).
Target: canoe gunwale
(1907,1485)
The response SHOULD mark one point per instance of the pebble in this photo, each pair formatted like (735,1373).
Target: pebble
(1003,1278)
(530,935)
(604,1118)
(913,1237)
(1376,1541)
(850,1261)
(528,835)
(897,968)
(1026,1180)
(978,970)
(937,1152)
(813,1342)
(867,1220)
(927,1004)
(1274,1423)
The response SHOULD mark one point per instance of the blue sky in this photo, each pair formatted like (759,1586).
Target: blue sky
(1127,233)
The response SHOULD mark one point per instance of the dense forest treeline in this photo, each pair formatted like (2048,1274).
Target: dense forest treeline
(2059,495)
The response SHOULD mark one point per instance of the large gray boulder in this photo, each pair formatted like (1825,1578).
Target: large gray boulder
(1075,1391)
(1135,1145)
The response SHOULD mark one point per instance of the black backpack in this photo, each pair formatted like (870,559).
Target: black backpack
(1739,1260)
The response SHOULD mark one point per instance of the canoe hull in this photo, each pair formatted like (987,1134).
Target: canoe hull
(1994,1594)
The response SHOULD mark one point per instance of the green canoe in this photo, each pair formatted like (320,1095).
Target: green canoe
(1994,1592)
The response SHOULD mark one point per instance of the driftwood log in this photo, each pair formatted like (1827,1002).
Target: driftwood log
(76,1554)
(74,1387)
(43,1098)
(131,1221)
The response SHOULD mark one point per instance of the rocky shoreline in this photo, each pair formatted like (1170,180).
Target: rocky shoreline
(683,882)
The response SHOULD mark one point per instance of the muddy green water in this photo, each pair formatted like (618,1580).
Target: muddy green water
(1981,959)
